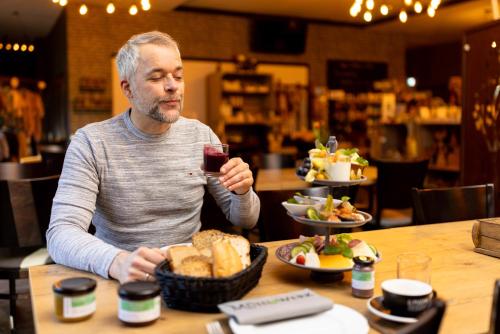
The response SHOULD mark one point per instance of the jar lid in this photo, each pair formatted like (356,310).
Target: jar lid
(364,260)
(139,290)
(74,286)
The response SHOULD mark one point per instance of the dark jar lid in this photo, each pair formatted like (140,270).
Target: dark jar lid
(138,290)
(74,286)
(364,260)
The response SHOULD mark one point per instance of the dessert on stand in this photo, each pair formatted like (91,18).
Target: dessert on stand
(329,257)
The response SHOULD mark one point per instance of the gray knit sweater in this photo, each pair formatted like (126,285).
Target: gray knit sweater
(137,189)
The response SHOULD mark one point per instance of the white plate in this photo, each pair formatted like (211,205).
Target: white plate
(336,183)
(340,319)
(375,307)
(325,223)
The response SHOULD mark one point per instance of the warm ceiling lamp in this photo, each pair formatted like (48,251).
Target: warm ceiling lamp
(384,10)
(370,4)
(367,16)
(31,48)
(63,2)
(403,17)
(24,48)
(146,5)
(431,11)
(418,7)
(110,8)
(83,9)
(15,47)
(133,10)
(408,2)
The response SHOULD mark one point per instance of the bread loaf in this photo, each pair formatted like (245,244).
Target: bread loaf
(203,241)
(196,265)
(177,254)
(226,260)
(242,246)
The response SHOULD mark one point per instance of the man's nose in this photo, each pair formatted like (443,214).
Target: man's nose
(171,85)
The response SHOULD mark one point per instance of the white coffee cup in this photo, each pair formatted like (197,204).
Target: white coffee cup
(339,171)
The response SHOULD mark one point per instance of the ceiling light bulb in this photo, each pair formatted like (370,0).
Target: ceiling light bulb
(24,47)
(110,8)
(83,9)
(55,1)
(403,17)
(367,16)
(1,46)
(435,3)
(353,11)
(418,7)
(31,48)
(15,47)
(146,5)
(63,2)
(466,47)
(431,11)
(8,46)
(133,10)
(493,44)
(384,10)
(408,2)
(370,4)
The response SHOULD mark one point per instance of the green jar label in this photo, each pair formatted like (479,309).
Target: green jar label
(138,311)
(137,306)
(79,306)
(362,276)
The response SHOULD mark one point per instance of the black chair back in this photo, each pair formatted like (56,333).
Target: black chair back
(395,180)
(453,204)
(25,208)
(428,322)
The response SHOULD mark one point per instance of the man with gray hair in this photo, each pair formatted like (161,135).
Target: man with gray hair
(137,178)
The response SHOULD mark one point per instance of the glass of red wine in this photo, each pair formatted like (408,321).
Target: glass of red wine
(214,156)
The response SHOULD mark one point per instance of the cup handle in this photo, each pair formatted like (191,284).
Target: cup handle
(434,294)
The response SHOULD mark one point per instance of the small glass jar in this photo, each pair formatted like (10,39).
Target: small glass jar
(139,303)
(74,298)
(363,277)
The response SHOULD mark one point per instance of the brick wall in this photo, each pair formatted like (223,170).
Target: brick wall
(94,38)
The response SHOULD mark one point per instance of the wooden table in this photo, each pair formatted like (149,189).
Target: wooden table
(285,179)
(459,275)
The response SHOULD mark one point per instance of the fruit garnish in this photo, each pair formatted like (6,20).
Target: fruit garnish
(301,259)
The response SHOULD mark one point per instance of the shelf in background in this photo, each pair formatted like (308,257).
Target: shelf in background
(242,92)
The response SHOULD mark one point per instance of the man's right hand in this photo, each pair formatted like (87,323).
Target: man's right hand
(136,266)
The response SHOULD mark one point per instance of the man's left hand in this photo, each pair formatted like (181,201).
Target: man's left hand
(236,176)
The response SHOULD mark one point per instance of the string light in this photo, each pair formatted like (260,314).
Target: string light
(401,6)
(133,10)
(147,6)
(8,46)
(418,7)
(110,8)
(431,11)
(63,2)
(384,10)
(24,48)
(31,48)
(494,44)
(15,47)
(55,1)
(83,9)
(367,16)
(403,17)
(1,46)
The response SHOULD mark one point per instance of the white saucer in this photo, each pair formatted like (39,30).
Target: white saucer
(376,307)
(340,319)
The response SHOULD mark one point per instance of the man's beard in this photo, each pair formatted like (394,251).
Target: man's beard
(155,113)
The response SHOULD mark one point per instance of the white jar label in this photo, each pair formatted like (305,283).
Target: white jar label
(79,306)
(138,311)
(363,280)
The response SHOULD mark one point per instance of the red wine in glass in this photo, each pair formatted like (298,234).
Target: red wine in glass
(214,156)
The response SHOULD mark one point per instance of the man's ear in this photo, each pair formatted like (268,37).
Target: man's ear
(125,85)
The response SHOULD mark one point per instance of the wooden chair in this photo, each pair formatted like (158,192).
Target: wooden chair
(428,322)
(495,310)
(393,188)
(452,204)
(25,207)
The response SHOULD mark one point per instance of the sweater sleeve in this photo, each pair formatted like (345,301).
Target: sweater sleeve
(68,240)
(241,210)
